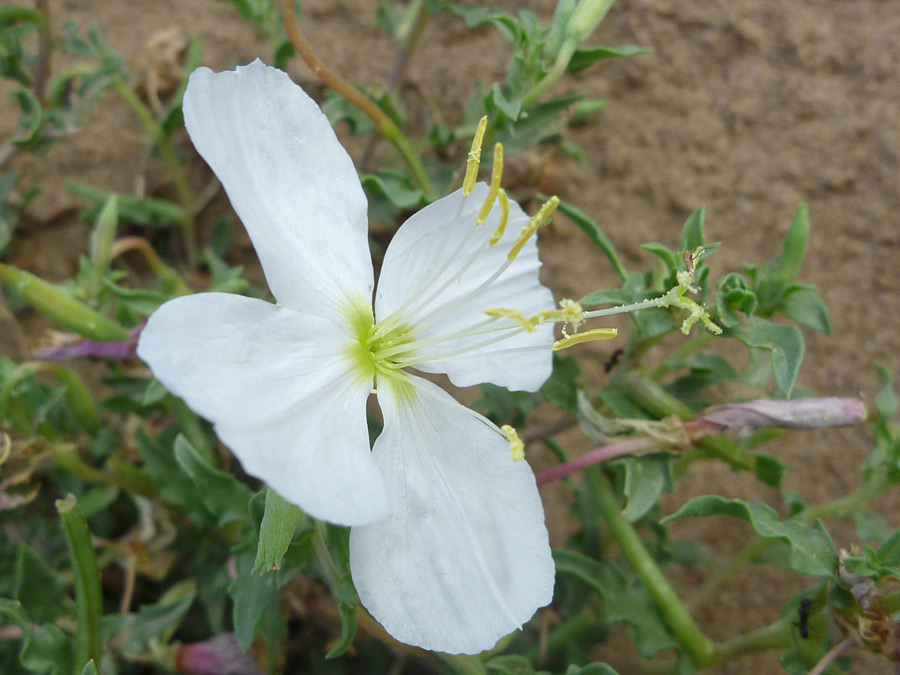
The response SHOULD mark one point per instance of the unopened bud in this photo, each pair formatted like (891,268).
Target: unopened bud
(802,413)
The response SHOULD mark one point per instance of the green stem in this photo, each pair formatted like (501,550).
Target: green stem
(698,646)
(60,307)
(775,636)
(88,598)
(323,557)
(167,152)
(585,19)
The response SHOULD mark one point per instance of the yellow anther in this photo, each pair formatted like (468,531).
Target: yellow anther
(516,446)
(504,216)
(474,161)
(513,314)
(496,173)
(586,336)
(536,221)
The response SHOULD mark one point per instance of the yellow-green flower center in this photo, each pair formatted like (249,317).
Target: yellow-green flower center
(379,351)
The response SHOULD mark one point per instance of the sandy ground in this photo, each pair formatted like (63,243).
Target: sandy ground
(749,107)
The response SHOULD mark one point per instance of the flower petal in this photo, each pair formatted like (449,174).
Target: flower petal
(433,273)
(290,181)
(281,393)
(463,558)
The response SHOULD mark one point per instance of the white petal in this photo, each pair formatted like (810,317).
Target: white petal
(463,558)
(281,393)
(290,181)
(432,272)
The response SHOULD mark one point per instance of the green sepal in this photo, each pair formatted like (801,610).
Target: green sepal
(276,531)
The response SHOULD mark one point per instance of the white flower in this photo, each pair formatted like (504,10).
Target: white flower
(449,550)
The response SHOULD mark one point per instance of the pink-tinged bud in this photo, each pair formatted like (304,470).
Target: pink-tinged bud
(83,348)
(220,655)
(801,413)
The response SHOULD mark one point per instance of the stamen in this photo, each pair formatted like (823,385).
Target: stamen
(586,336)
(496,173)
(504,216)
(536,221)
(516,446)
(474,161)
(513,314)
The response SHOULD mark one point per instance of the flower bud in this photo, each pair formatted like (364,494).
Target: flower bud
(802,413)
(220,655)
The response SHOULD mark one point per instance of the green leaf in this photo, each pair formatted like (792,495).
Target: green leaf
(148,211)
(692,231)
(646,478)
(36,586)
(607,296)
(396,187)
(347,603)
(562,386)
(222,494)
(886,402)
(801,303)
(769,470)
(252,597)
(787,265)
(276,532)
(583,58)
(889,551)
(870,526)
(137,631)
(784,342)
(90,668)
(171,483)
(812,551)
(669,258)
(596,235)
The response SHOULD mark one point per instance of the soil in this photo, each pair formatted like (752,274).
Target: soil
(749,107)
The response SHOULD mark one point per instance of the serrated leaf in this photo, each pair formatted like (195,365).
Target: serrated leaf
(222,494)
(276,531)
(812,551)
(784,342)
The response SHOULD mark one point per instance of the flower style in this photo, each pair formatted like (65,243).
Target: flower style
(448,545)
